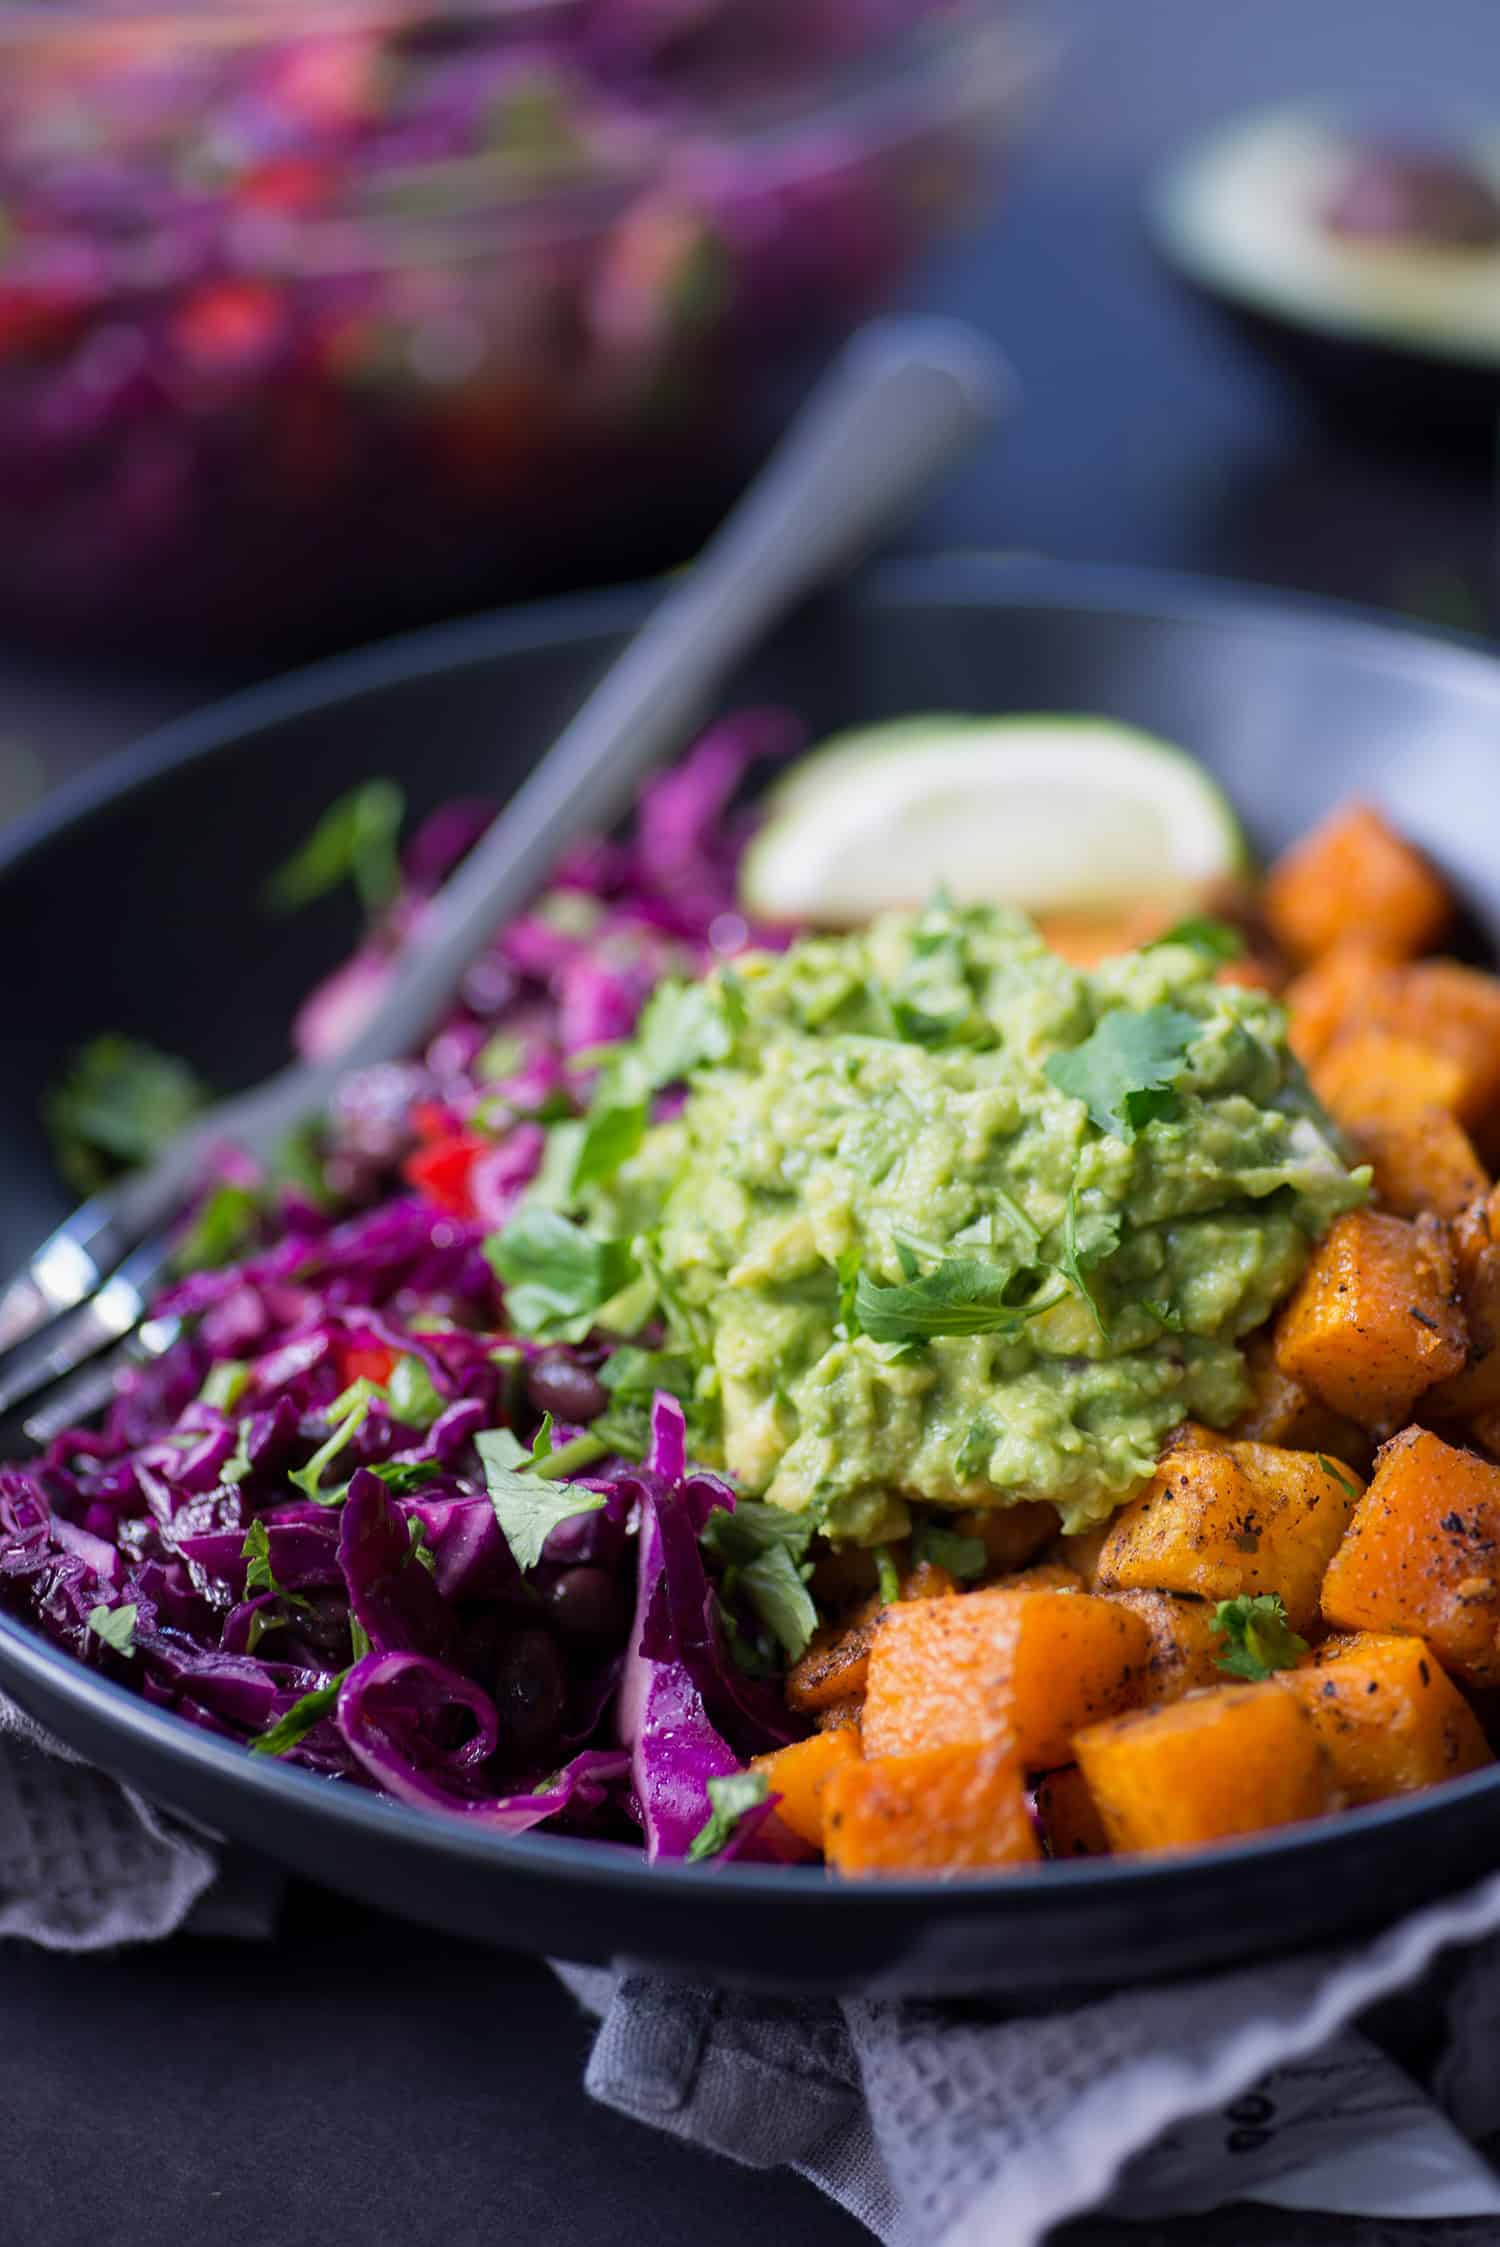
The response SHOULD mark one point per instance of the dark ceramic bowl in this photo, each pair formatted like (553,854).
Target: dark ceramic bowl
(130,903)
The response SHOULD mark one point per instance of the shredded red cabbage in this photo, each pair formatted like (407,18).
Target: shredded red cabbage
(282,1530)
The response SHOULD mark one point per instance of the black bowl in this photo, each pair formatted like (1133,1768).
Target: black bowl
(130,903)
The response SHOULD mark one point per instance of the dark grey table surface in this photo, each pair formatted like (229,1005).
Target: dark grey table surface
(358,2081)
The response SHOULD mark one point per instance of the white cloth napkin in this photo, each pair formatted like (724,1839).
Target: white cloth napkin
(937,2128)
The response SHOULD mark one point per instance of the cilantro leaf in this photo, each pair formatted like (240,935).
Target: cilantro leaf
(1083,1248)
(416,1530)
(741,1534)
(223,1228)
(355,840)
(1163,1312)
(1125,1071)
(556,1276)
(729,1798)
(115,1625)
(683,1027)
(299,1719)
(1215,939)
(632,1377)
(119,1104)
(402,1476)
(963,1557)
(612,1131)
(887,1575)
(782,1602)
(527,1506)
(973,1456)
(412,1395)
(846,1271)
(1257,1636)
(962,1296)
(1331,1467)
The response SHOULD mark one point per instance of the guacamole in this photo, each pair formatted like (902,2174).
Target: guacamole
(942,1219)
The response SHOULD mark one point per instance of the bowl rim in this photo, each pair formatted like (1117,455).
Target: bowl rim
(966,579)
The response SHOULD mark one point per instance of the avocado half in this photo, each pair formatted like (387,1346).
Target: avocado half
(1404,331)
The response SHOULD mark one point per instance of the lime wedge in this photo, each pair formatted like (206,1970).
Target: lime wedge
(1051,814)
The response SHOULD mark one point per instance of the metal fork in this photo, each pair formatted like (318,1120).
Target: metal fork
(902,401)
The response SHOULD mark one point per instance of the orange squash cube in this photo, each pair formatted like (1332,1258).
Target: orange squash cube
(945,1810)
(799,1774)
(1421,1161)
(1354,876)
(1389,1718)
(1422,1555)
(1283,1413)
(1249,1518)
(1020,1667)
(1375,1319)
(1185,1646)
(1071,1825)
(1230,1761)
(1367,1075)
(1330,998)
(1081,1551)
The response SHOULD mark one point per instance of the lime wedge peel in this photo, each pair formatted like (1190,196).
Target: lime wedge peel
(1051,814)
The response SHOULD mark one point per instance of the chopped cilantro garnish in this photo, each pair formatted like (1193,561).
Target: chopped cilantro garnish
(961,1296)
(346,1415)
(300,1719)
(115,1625)
(612,1131)
(683,1027)
(887,1575)
(557,1277)
(947,1548)
(1125,1072)
(1083,1246)
(527,1506)
(402,1476)
(355,840)
(223,1228)
(1331,1467)
(1257,1636)
(416,1530)
(411,1394)
(729,1799)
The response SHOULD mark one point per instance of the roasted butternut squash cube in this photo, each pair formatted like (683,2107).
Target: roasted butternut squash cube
(1249,1518)
(1185,1646)
(1375,1318)
(1354,876)
(1422,1555)
(1448,1007)
(833,1668)
(835,1716)
(1283,1413)
(799,1774)
(1071,1825)
(1330,998)
(1019,1667)
(1233,1760)
(1041,1576)
(1080,1552)
(1084,939)
(1011,1535)
(1389,1718)
(1421,1161)
(944,1810)
(1365,1075)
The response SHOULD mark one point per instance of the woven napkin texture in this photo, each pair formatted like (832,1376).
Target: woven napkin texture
(935,2127)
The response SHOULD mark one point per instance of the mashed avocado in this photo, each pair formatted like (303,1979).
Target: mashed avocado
(943,1219)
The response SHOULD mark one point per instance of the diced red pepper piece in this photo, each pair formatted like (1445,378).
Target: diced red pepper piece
(364,1361)
(440,1171)
(433,1120)
(229,324)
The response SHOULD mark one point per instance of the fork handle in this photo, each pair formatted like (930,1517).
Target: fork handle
(902,400)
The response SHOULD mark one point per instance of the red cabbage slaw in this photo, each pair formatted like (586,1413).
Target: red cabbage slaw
(283,1529)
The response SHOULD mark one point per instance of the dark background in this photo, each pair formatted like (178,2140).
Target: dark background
(360,2081)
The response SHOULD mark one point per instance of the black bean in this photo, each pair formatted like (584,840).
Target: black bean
(565,1390)
(531,1691)
(587,1604)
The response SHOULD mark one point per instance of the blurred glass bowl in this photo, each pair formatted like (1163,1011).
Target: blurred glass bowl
(317,320)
